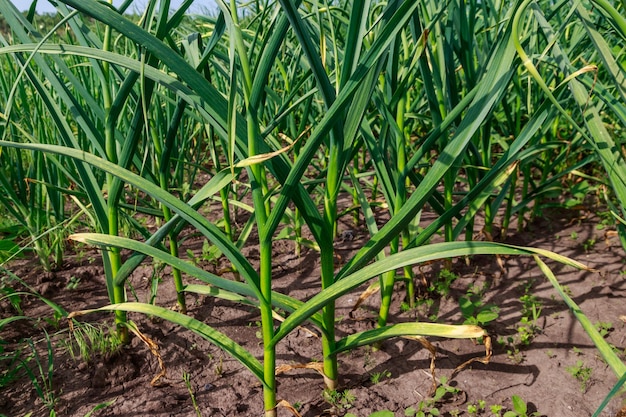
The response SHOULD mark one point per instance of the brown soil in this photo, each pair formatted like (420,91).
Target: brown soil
(222,387)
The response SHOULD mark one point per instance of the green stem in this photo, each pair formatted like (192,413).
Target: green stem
(331,372)
(267,326)
(119,292)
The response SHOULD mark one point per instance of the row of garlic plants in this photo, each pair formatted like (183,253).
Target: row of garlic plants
(286,105)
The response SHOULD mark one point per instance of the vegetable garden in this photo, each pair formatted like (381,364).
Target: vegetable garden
(343,177)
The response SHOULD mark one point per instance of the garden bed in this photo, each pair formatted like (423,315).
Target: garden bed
(540,352)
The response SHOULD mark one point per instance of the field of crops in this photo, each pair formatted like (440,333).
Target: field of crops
(291,207)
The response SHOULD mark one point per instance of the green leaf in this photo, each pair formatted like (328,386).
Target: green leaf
(519,405)
(487,316)
(405,258)
(232,290)
(383,413)
(368,337)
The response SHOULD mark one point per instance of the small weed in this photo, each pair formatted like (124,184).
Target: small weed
(423,410)
(526,331)
(577,351)
(496,410)
(427,407)
(531,307)
(88,339)
(426,308)
(582,374)
(512,349)
(377,377)
(41,377)
(520,409)
(210,253)
(475,312)
(441,286)
(73,284)
(604,328)
(340,400)
(573,235)
(578,192)
(589,244)
(219,368)
(474,409)
(187,380)
(527,328)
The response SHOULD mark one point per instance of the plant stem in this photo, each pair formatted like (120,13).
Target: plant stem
(331,373)
(119,292)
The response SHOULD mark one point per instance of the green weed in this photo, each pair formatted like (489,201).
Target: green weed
(604,328)
(520,408)
(341,401)
(187,381)
(581,373)
(377,377)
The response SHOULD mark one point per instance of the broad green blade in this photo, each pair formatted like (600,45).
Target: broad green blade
(368,337)
(231,287)
(408,257)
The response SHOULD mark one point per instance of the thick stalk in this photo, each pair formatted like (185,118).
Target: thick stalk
(327,263)
(386,290)
(265,272)
(486,161)
(403,181)
(331,372)
(448,193)
(167,215)
(267,324)
(119,292)
(178,279)
(261,210)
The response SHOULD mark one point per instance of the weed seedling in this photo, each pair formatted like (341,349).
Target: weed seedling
(520,409)
(589,244)
(42,376)
(475,312)
(377,377)
(340,400)
(496,410)
(427,407)
(441,286)
(582,374)
(604,328)
(187,380)
(219,368)
(512,350)
(73,284)
(474,409)
(87,339)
